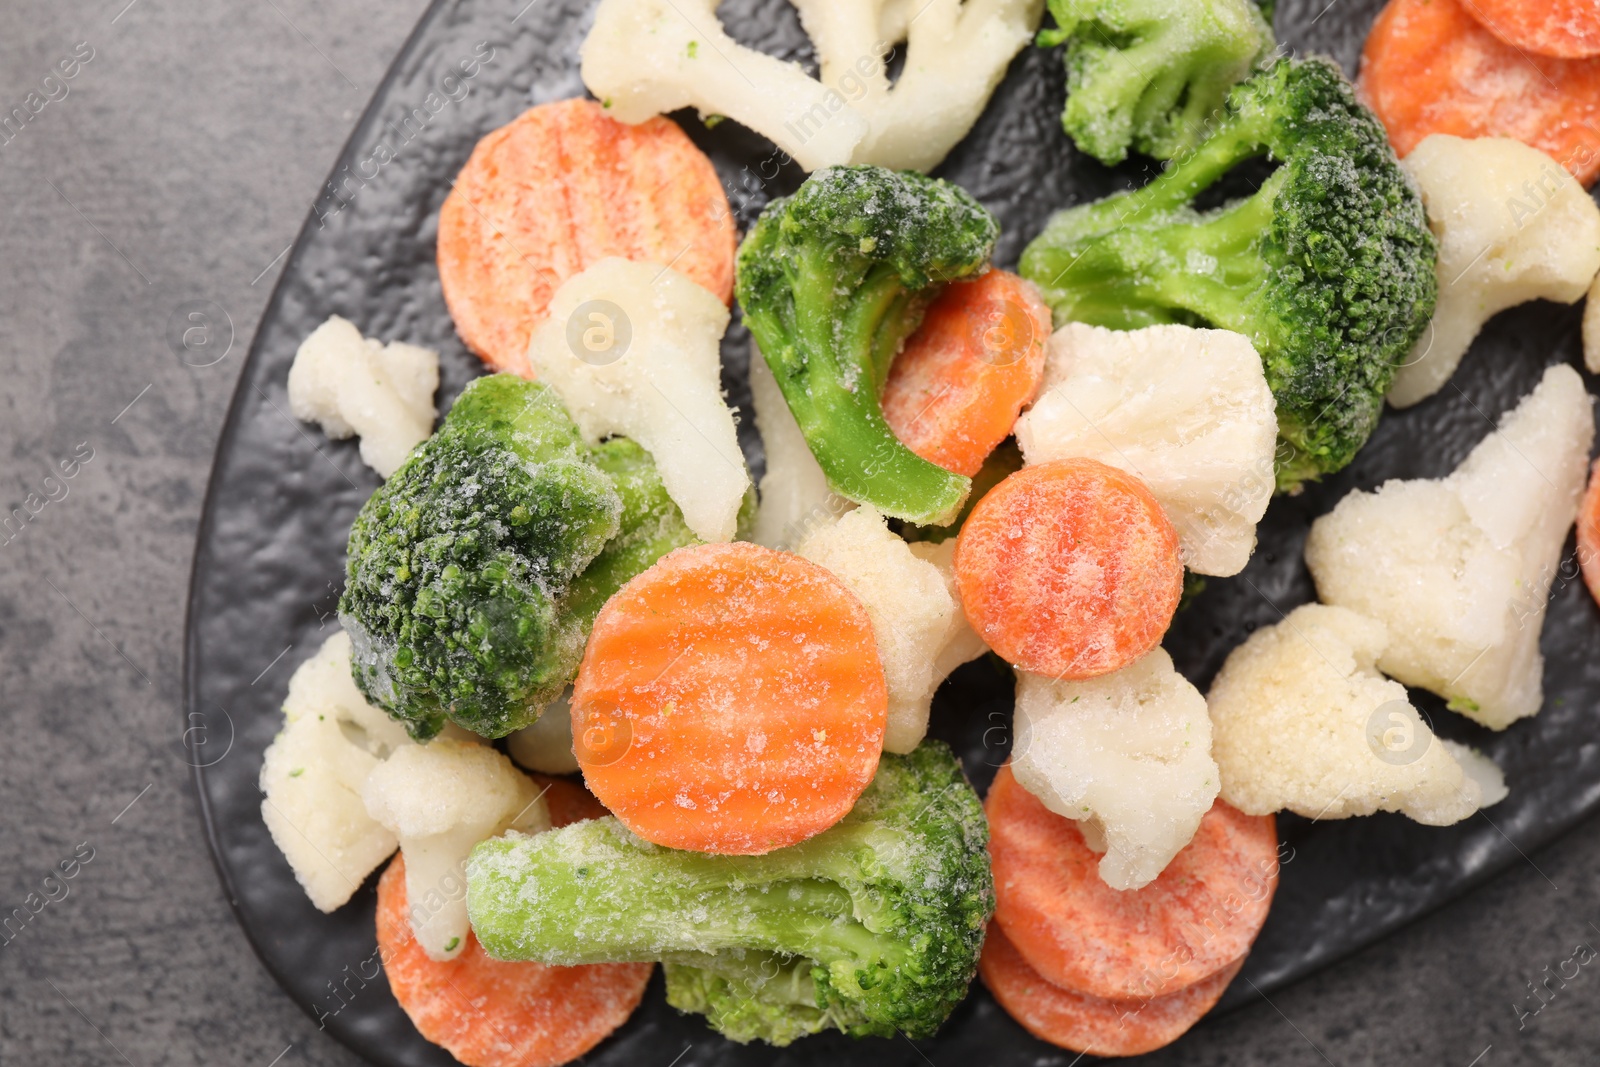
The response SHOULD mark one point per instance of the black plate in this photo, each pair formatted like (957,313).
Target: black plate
(269,561)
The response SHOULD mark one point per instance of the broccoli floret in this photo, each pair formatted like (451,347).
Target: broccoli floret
(871,927)
(1328,268)
(1152,74)
(832,281)
(457,564)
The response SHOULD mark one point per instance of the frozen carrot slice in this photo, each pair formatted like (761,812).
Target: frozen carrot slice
(731,700)
(1430,67)
(555,192)
(568,801)
(1199,916)
(1569,29)
(954,393)
(1069,569)
(1589,534)
(1095,1025)
(489,1013)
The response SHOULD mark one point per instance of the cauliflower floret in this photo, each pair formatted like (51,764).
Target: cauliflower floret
(1513,225)
(1591,329)
(635,349)
(956,54)
(1187,410)
(1302,720)
(795,498)
(1459,568)
(351,385)
(1127,754)
(918,622)
(440,800)
(546,746)
(649,57)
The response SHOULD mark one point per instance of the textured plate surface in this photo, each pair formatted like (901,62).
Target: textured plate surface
(269,562)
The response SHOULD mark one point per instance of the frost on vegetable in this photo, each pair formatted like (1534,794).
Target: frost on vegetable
(1513,226)
(1127,755)
(795,498)
(1459,568)
(1188,411)
(650,57)
(546,746)
(439,800)
(635,349)
(921,631)
(1302,721)
(350,385)
(956,53)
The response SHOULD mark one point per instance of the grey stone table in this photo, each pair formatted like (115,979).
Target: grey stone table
(176,165)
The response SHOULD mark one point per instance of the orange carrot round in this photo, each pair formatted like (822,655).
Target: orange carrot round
(731,700)
(954,393)
(1094,1025)
(1069,569)
(1199,916)
(1569,29)
(1589,534)
(568,801)
(554,192)
(489,1013)
(1430,67)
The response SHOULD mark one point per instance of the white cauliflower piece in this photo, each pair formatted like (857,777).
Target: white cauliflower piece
(1127,754)
(957,51)
(1188,411)
(915,617)
(351,385)
(546,746)
(795,498)
(651,370)
(1302,720)
(1513,226)
(1591,329)
(649,57)
(1459,568)
(441,799)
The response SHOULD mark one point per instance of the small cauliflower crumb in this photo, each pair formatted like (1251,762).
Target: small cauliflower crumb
(546,746)
(795,498)
(350,385)
(921,631)
(1513,226)
(1127,754)
(1459,568)
(1188,411)
(635,349)
(1302,721)
(439,800)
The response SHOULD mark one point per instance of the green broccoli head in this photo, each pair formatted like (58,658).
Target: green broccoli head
(1328,267)
(456,565)
(871,927)
(1152,74)
(832,281)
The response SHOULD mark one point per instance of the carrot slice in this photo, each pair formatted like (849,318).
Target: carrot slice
(1569,29)
(1199,916)
(731,700)
(568,801)
(556,191)
(1430,67)
(489,1013)
(954,393)
(1589,534)
(1095,1025)
(1069,569)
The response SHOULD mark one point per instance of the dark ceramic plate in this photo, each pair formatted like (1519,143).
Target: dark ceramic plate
(270,557)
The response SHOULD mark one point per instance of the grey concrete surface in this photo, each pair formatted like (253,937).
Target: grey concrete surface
(177,167)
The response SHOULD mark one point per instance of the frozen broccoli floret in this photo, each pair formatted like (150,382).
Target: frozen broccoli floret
(795,498)
(872,927)
(832,281)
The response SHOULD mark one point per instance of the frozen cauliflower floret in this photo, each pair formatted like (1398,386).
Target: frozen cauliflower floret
(915,617)
(1302,721)
(439,800)
(1513,226)
(795,498)
(1188,411)
(1459,568)
(350,385)
(546,746)
(956,54)
(635,349)
(649,57)
(1127,754)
